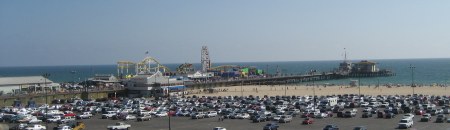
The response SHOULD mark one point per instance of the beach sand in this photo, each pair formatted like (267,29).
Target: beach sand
(261,90)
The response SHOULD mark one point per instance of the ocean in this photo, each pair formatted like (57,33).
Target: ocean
(426,72)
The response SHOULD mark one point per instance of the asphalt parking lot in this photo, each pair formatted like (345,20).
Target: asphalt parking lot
(186,123)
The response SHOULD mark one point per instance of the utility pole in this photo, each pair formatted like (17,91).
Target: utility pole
(412,77)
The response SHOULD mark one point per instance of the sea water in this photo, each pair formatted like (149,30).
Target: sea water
(426,72)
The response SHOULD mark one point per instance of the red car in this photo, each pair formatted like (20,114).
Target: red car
(420,112)
(308,121)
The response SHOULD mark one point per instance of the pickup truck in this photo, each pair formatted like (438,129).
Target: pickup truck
(119,126)
(36,127)
(85,115)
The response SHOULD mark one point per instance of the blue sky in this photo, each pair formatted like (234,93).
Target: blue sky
(44,32)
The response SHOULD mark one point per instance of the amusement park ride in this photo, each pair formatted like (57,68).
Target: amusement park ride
(150,65)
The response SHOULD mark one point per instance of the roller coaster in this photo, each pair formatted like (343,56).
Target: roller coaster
(147,66)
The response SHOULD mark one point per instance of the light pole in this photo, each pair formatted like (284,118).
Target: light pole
(359,82)
(412,77)
(314,89)
(285,87)
(46,75)
(242,91)
(168,97)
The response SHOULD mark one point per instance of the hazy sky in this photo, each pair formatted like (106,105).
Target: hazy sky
(77,32)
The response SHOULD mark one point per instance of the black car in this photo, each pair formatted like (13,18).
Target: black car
(390,115)
(331,127)
(271,126)
(360,128)
(441,118)
(366,115)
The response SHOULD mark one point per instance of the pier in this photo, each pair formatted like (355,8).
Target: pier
(277,80)
(107,93)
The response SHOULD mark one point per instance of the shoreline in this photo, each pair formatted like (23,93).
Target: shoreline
(303,90)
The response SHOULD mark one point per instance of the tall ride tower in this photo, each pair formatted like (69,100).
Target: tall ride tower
(206,62)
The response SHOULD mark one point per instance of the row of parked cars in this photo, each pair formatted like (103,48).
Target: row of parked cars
(282,109)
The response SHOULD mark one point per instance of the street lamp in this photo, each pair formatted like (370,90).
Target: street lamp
(359,82)
(285,87)
(412,77)
(242,90)
(314,88)
(46,75)
(170,103)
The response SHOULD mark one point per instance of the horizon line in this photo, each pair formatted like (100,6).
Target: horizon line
(229,62)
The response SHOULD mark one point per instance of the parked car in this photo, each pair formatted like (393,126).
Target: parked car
(129,117)
(144,118)
(119,126)
(260,118)
(285,119)
(366,115)
(425,117)
(405,123)
(36,127)
(308,121)
(271,126)
(331,127)
(441,118)
(360,128)
(85,115)
(390,115)
(408,115)
(219,128)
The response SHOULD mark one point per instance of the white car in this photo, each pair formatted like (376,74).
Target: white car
(34,120)
(277,117)
(219,128)
(54,119)
(161,114)
(364,104)
(406,123)
(409,115)
(211,114)
(243,116)
(36,127)
(65,127)
(367,109)
(321,115)
(119,126)
(130,117)
(85,115)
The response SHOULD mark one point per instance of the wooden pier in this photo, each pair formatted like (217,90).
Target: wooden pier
(284,79)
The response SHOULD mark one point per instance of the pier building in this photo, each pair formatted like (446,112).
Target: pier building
(26,84)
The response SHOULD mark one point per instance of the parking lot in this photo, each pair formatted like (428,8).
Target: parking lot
(186,123)
(183,110)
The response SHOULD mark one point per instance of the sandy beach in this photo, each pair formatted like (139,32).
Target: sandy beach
(261,90)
